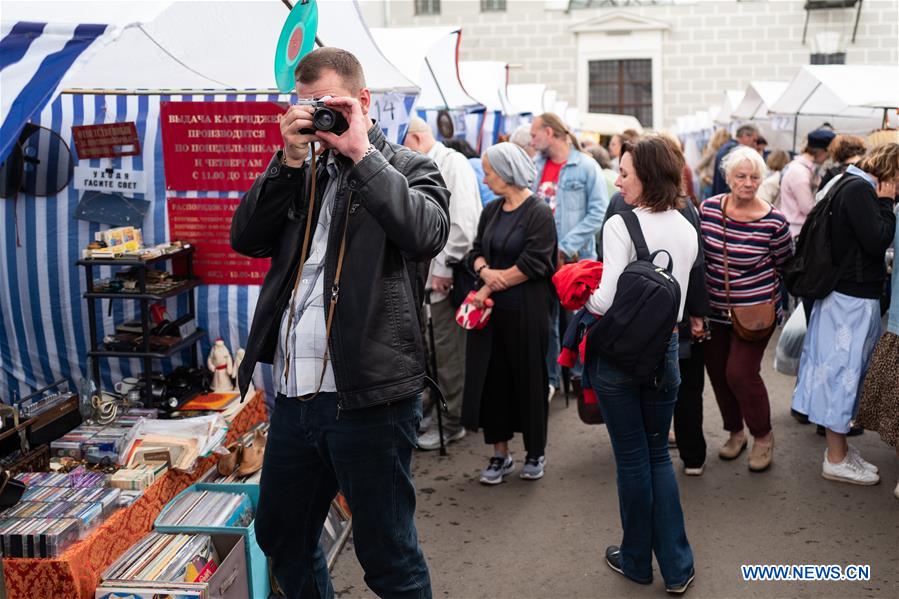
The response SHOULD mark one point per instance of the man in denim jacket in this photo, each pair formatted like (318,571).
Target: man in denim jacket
(573,185)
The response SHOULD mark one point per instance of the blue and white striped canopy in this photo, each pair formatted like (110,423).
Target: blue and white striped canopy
(34,58)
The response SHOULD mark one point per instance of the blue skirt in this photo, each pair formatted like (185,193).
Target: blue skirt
(841,335)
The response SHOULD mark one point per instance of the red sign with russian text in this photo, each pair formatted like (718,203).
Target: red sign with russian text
(218,146)
(109,140)
(206,224)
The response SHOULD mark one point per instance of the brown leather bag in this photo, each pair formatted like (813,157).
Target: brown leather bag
(750,323)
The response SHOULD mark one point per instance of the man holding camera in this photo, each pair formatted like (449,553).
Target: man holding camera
(338,318)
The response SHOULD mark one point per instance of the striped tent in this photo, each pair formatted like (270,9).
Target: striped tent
(44,332)
(34,57)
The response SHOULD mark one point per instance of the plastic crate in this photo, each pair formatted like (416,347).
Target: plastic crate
(257,563)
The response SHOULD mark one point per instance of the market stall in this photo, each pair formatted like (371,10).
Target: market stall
(161,67)
(118,275)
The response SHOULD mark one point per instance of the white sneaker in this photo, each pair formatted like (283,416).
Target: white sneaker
(430,440)
(848,471)
(694,471)
(425,424)
(550,394)
(857,456)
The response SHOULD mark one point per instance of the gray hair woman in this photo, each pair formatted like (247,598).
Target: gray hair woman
(514,256)
(756,239)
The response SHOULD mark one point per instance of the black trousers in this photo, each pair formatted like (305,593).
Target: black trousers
(688,409)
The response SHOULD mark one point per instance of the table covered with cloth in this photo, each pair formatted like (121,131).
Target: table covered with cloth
(76,573)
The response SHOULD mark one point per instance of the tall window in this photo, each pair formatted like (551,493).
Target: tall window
(427,7)
(493,5)
(622,87)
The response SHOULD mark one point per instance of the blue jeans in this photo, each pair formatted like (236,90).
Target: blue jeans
(313,451)
(638,417)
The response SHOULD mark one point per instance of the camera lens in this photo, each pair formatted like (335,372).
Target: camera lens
(323,119)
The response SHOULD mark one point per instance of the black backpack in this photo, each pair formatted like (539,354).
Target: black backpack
(634,333)
(812,272)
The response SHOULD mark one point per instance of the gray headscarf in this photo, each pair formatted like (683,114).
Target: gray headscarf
(512,164)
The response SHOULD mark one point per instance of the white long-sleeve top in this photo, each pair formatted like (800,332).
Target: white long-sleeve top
(668,230)
(464,209)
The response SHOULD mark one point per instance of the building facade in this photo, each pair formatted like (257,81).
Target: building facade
(655,59)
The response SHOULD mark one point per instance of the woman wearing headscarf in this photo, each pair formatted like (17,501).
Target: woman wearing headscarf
(514,257)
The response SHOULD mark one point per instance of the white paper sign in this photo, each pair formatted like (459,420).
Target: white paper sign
(390,110)
(124,182)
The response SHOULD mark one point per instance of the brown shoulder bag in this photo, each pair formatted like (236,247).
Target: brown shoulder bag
(750,323)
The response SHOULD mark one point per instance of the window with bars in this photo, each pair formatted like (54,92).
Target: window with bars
(427,7)
(493,5)
(622,87)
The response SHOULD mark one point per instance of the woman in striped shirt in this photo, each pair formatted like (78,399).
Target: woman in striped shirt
(758,245)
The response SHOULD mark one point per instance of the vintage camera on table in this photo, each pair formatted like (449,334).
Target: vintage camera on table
(324,118)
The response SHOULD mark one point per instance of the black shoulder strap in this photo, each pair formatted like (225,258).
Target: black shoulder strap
(636,233)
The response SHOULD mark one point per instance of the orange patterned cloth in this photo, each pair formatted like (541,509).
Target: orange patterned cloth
(76,573)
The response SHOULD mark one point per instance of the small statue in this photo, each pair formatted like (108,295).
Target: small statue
(221,366)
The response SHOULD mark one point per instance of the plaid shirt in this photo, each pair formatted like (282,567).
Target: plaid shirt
(305,343)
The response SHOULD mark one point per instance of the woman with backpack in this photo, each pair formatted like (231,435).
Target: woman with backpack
(637,407)
(746,242)
(845,325)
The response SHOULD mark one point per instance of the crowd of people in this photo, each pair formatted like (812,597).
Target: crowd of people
(697,269)
(730,237)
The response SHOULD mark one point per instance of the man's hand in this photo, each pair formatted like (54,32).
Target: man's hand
(886,189)
(296,144)
(441,284)
(494,279)
(354,140)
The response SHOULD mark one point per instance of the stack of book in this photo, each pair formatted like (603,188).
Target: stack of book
(138,477)
(208,509)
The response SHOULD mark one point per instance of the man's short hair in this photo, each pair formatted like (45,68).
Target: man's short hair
(340,61)
(748,129)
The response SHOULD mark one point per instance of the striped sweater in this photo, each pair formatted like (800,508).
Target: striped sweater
(754,249)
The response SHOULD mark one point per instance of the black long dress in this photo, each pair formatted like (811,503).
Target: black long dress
(529,308)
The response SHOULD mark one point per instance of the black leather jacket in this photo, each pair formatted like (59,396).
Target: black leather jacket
(398,215)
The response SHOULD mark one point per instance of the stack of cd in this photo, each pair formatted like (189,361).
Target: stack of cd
(37,537)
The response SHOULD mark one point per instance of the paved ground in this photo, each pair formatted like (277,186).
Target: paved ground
(544,539)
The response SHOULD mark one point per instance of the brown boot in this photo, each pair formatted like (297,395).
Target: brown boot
(732,448)
(760,456)
(252,455)
(227,464)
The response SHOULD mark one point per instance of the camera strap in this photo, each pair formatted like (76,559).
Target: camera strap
(335,287)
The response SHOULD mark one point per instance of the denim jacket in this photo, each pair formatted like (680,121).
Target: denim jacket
(581,200)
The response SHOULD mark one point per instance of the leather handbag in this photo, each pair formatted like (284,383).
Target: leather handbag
(750,323)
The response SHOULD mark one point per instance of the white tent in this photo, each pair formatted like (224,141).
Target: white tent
(855,99)
(171,52)
(485,81)
(840,90)
(609,124)
(428,56)
(527,97)
(758,97)
(732,99)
